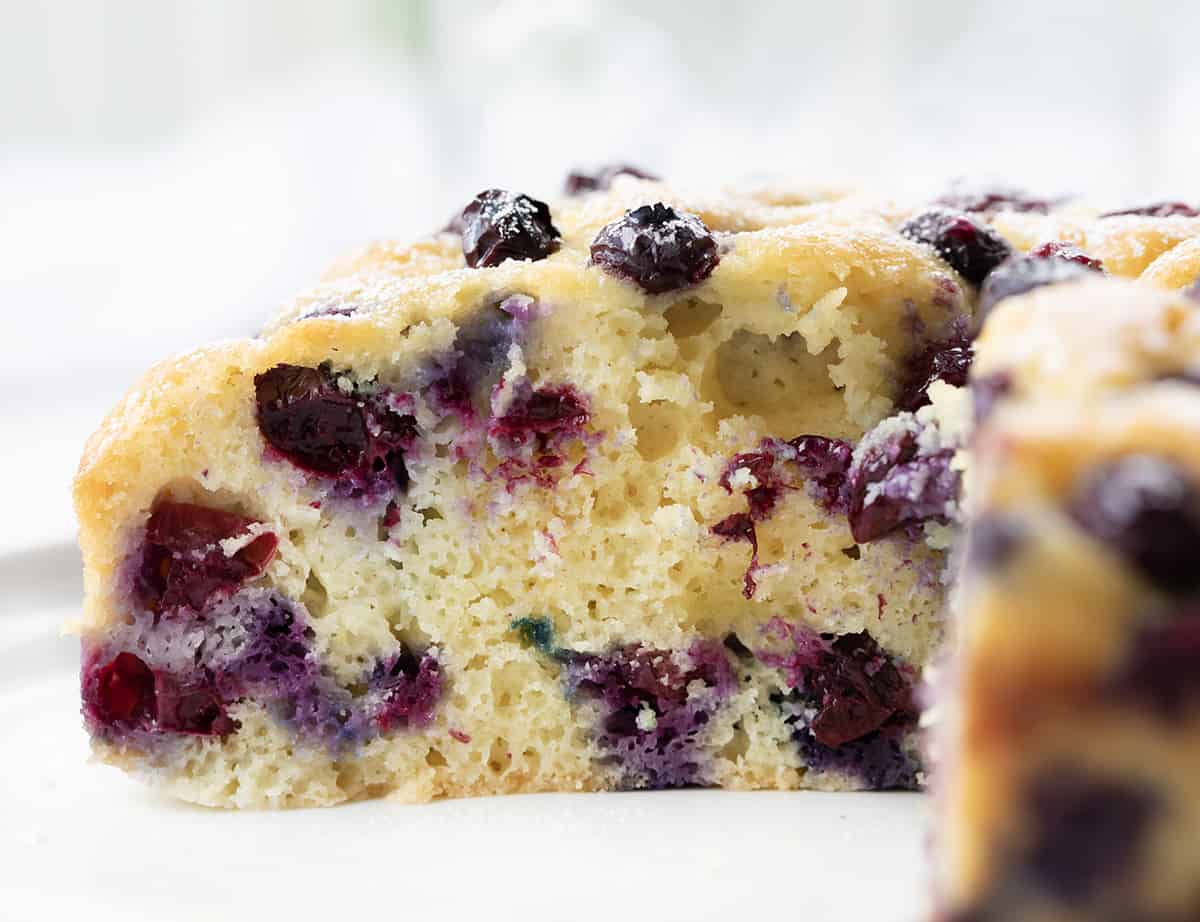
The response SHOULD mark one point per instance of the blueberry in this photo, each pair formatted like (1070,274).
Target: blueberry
(1147,509)
(892,485)
(120,692)
(1163,664)
(993,540)
(946,360)
(1089,832)
(499,225)
(1025,273)
(308,420)
(994,200)
(970,249)
(987,391)
(182,563)
(850,706)
(1056,249)
(408,687)
(194,707)
(579,182)
(824,463)
(1158,210)
(657,248)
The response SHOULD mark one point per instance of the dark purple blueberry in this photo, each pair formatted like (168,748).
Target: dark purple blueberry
(891,485)
(1158,210)
(1090,833)
(120,692)
(308,420)
(987,390)
(193,707)
(993,540)
(881,762)
(579,182)
(947,360)
(850,705)
(657,248)
(408,687)
(825,463)
(1163,664)
(1056,249)
(1193,290)
(182,562)
(1147,509)
(857,690)
(656,704)
(542,411)
(994,200)
(500,225)
(970,249)
(1025,273)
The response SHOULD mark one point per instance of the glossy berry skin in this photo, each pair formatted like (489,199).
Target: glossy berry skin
(1158,210)
(850,705)
(308,417)
(578,182)
(121,692)
(969,248)
(657,248)
(1023,274)
(1146,509)
(183,564)
(946,360)
(313,424)
(499,225)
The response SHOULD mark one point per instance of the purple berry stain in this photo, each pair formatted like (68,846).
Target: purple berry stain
(655,705)
(657,248)
(179,673)
(989,201)
(776,466)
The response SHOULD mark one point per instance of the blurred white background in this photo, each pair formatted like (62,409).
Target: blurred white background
(173,169)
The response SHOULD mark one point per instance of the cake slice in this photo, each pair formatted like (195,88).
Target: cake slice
(641,490)
(1070,718)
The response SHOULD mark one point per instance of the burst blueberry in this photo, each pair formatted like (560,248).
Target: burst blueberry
(946,360)
(183,562)
(578,182)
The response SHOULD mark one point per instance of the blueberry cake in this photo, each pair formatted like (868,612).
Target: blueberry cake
(1069,721)
(643,489)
